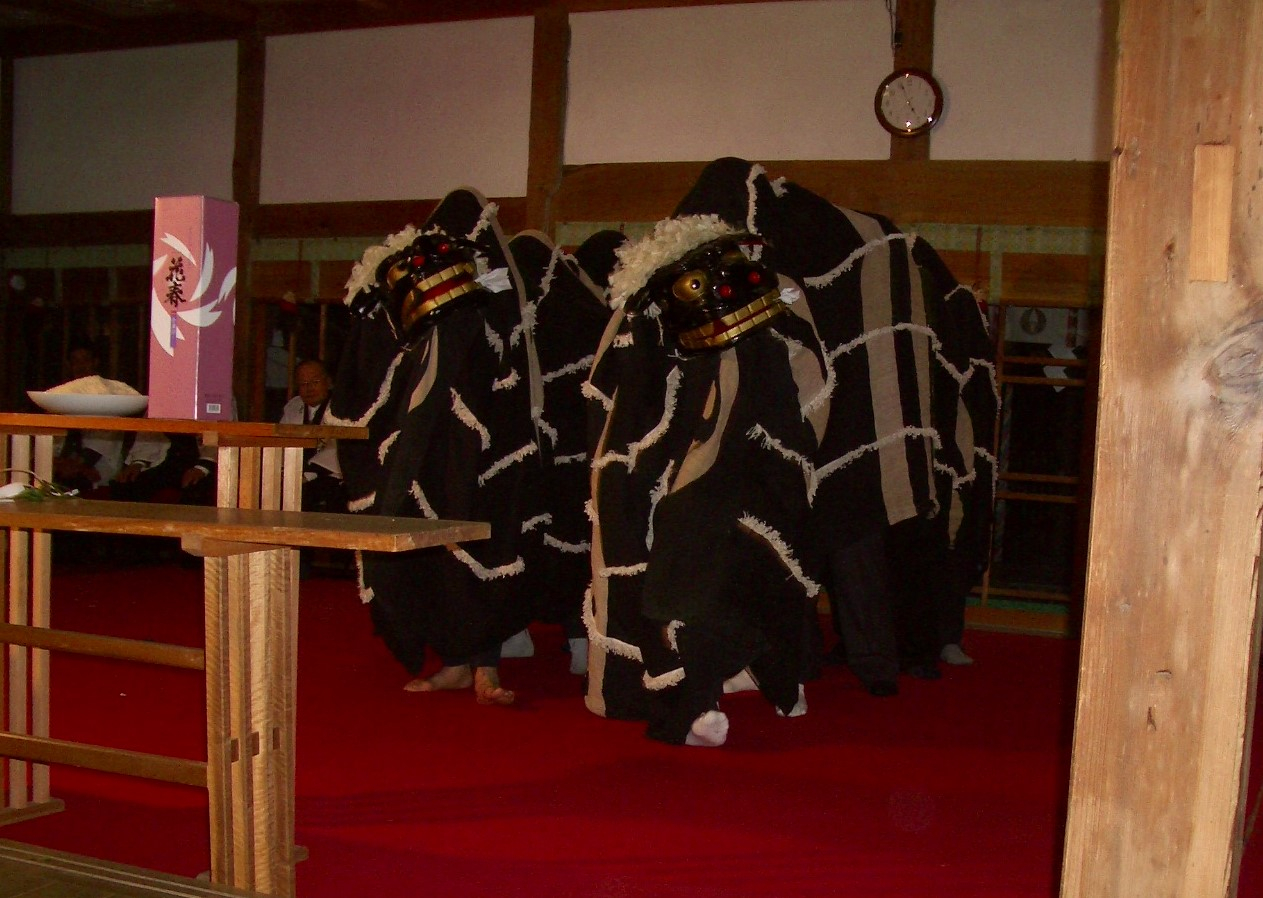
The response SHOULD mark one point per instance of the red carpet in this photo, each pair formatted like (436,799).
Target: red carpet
(953,788)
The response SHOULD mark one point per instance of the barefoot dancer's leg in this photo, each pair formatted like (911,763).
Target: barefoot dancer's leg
(449,676)
(487,687)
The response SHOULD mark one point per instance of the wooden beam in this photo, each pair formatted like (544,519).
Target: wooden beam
(546,153)
(11,373)
(1171,616)
(1036,194)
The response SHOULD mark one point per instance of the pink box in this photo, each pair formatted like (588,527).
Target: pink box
(192,308)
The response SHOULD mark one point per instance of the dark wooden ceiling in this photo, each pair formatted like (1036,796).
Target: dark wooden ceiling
(42,27)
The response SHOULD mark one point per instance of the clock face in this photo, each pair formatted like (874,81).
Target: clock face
(908,102)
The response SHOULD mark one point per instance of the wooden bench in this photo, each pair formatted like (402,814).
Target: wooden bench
(249,658)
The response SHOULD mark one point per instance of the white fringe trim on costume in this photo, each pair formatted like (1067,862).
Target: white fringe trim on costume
(508,461)
(829,277)
(989,367)
(582,364)
(550,272)
(383,448)
(591,392)
(671,630)
(759,433)
(663,681)
(622,341)
(782,549)
(752,196)
(589,510)
(625,570)
(511,569)
(655,434)
(569,548)
(362,503)
(538,521)
(576,458)
(598,639)
(485,218)
(936,348)
(467,417)
(423,503)
(656,495)
(508,382)
(837,464)
(824,394)
(778,186)
(537,415)
(493,340)
(383,393)
(958,479)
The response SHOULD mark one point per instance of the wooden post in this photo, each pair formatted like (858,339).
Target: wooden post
(915,23)
(549,73)
(1171,626)
(247,163)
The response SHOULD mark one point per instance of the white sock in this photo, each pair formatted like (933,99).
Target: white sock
(800,706)
(578,656)
(519,645)
(710,730)
(954,654)
(742,681)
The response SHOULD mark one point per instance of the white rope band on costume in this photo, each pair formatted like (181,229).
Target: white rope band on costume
(575,458)
(783,551)
(568,548)
(493,340)
(537,415)
(599,640)
(383,448)
(672,629)
(842,461)
(591,392)
(383,392)
(655,434)
(423,504)
(485,573)
(550,272)
(656,495)
(538,521)
(362,503)
(759,434)
(508,382)
(466,417)
(830,276)
(511,459)
(625,570)
(663,681)
(582,364)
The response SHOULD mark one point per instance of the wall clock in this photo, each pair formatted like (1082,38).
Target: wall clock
(908,102)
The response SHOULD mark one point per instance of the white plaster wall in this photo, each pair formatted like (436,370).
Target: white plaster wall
(1023,79)
(762,81)
(391,113)
(412,112)
(97,132)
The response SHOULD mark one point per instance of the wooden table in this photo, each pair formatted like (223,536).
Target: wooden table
(251,609)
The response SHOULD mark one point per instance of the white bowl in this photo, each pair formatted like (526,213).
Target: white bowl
(107,405)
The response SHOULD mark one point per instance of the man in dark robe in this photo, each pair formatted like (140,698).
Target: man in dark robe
(904,474)
(438,368)
(702,391)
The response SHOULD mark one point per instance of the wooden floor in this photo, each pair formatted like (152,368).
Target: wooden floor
(32,872)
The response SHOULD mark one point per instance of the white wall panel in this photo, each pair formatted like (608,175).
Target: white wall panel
(98,132)
(391,113)
(1023,79)
(762,81)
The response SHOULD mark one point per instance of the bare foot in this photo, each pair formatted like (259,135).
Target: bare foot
(742,681)
(710,730)
(457,676)
(487,688)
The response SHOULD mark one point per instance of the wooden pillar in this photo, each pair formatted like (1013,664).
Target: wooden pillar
(914,23)
(246,168)
(1171,625)
(549,74)
(11,367)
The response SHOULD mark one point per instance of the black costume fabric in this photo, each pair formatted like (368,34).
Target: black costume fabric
(567,315)
(911,420)
(450,436)
(700,503)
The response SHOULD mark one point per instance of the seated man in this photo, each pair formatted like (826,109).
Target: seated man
(323,489)
(86,460)
(166,468)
